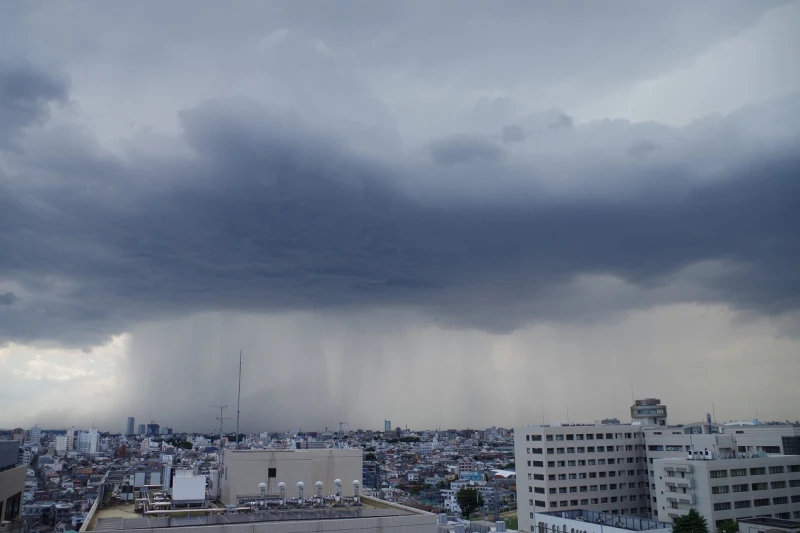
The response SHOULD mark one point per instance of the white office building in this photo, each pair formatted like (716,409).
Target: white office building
(728,488)
(35,435)
(88,441)
(610,468)
(61,444)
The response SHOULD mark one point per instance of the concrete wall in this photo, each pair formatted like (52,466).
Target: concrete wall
(11,482)
(9,450)
(242,471)
(567,525)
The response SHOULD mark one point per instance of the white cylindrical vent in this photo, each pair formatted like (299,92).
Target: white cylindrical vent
(318,484)
(458,528)
(300,486)
(500,526)
(442,518)
(282,490)
(338,483)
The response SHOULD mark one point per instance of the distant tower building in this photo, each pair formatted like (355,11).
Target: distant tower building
(71,439)
(152,429)
(142,429)
(129,428)
(35,435)
(649,412)
(387,425)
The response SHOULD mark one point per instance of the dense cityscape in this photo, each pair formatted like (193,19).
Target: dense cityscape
(81,479)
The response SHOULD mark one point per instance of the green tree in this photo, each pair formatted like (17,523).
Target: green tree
(693,522)
(469,500)
(728,526)
(370,457)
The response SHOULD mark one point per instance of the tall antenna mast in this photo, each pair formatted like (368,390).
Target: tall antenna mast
(239,398)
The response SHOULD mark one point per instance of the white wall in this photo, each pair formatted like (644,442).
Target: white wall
(576,526)
(242,471)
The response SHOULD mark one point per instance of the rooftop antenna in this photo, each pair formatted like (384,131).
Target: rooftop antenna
(238,398)
(220,418)
(714,411)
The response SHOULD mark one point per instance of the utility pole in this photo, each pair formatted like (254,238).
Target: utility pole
(238,398)
(221,419)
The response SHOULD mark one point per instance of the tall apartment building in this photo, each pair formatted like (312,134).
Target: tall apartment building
(35,435)
(610,468)
(129,426)
(61,444)
(728,488)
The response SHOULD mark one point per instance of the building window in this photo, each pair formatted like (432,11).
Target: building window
(551,477)
(761,502)
(611,461)
(590,436)
(794,482)
(573,489)
(536,451)
(564,503)
(741,504)
(602,448)
(780,500)
(581,462)
(573,476)
(609,436)
(581,449)
(603,500)
(559,437)
(579,436)
(723,506)
(760,471)
(778,485)
(592,488)
(613,486)
(581,475)
(559,450)
(592,475)
(771,449)
(592,462)
(720,489)
(538,477)
(796,498)
(570,437)
(538,464)
(603,487)
(551,450)
(549,437)
(738,472)
(562,490)
(573,503)
(551,464)
(599,436)
(553,490)
(759,486)
(536,437)
(562,464)
(538,490)
(594,501)
(571,463)
(718,474)
(584,502)
(794,468)
(584,488)
(590,449)
(540,503)
(744,487)
(776,470)
(570,450)
(562,477)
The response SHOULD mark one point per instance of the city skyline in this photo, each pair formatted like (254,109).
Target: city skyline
(424,211)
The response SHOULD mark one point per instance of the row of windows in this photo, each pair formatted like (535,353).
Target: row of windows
(585,449)
(588,488)
(744,504)
(581,436)
(757,471)
(587,501)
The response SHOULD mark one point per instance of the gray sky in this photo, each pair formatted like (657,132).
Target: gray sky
(441,213)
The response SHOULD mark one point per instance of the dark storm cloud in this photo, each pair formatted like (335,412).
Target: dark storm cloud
(24,96)
(7,298)
(513,134)
(641,147)
(464,149)
(267,215)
